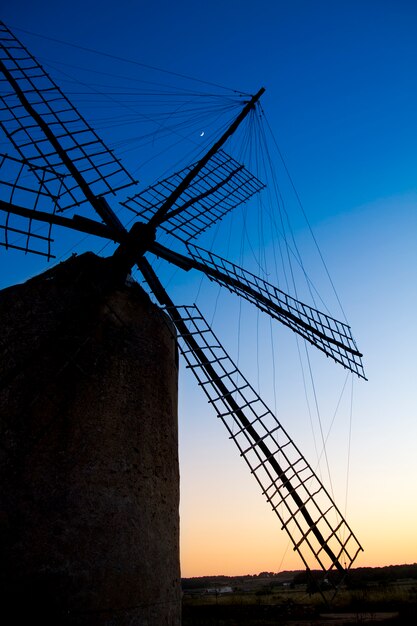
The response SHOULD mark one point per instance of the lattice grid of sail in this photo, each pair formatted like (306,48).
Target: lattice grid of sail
(28,98)
(32,188)
(316,527)
(329,335)
(220,186)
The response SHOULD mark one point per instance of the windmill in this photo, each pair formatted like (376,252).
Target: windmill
(58,164)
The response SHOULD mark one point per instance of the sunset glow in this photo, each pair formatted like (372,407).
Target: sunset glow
(341,96)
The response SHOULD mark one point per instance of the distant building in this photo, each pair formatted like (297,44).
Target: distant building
(219,590)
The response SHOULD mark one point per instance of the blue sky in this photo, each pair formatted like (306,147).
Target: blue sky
(341,97)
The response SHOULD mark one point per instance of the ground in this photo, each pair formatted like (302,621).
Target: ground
(266,602)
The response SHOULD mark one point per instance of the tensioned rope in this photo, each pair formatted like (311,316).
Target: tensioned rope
(126,60)
(323,438)
(306,218)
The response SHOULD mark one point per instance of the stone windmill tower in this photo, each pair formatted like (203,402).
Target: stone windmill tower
(88,396)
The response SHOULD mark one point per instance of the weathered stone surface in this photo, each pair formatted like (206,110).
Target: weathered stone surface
(89,458)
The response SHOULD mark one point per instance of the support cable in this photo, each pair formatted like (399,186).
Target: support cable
(126,60)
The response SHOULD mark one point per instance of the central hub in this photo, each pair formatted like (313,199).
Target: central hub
(136,242)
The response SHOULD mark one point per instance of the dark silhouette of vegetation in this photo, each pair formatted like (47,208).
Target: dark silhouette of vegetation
(355,578)
(360,576)
(383,595)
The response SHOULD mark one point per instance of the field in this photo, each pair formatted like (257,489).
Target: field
(268,601)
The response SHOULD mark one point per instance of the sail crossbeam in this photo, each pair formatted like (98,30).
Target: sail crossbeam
(221,186)
(30,101)
(329,335)
(30,186)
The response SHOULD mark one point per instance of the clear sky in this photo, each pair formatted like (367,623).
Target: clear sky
(341,98)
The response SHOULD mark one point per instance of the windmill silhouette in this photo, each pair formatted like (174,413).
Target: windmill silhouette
(59,163)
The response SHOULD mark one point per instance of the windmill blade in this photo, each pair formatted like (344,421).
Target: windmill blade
(23,226)
(307,513)
(30,187)
(329,335)
(317,529)
(221,185)
(48,132)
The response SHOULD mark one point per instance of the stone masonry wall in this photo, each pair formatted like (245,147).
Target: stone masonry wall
(89,479)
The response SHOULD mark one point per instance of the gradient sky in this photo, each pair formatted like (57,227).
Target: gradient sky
(342,100)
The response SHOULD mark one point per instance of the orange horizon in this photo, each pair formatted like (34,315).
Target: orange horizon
(300,569)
